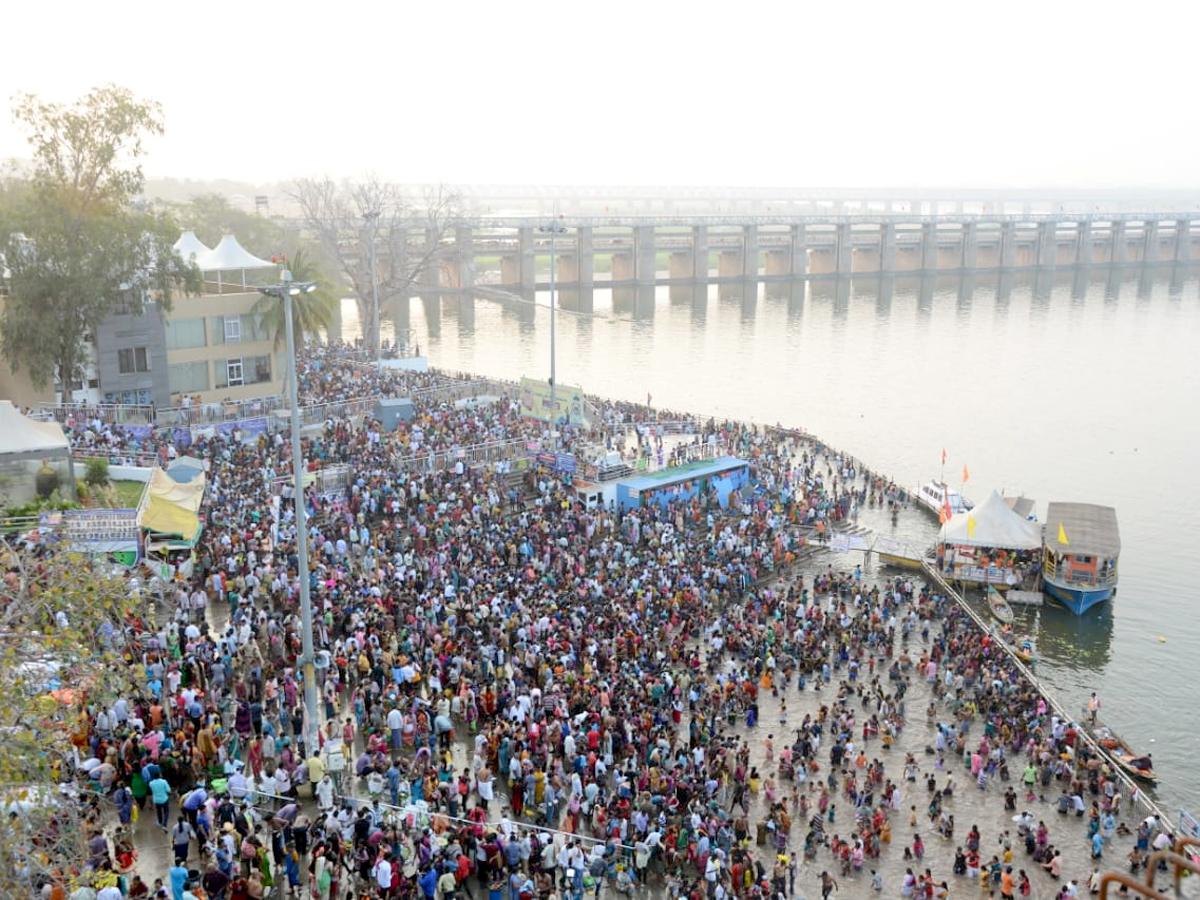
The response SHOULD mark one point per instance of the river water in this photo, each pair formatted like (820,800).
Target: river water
(1077,386)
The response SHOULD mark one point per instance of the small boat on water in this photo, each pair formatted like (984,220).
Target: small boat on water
(936,496)
(1140,767)
(1081,546)
(999,606)
(1022,647)
(898,555)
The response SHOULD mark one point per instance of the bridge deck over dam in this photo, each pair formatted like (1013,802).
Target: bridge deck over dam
(649,249)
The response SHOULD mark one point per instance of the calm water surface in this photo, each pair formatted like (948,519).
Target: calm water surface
(1062,386)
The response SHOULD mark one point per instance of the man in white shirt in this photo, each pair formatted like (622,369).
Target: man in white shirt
(383,874)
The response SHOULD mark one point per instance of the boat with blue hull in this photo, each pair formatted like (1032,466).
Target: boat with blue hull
(1082,544)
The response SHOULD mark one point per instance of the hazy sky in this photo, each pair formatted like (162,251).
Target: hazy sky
(649,92)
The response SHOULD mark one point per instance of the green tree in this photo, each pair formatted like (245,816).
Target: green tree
(63,622)
(311,312)
(80,244)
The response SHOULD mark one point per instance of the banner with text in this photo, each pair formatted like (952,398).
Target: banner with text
(535,402)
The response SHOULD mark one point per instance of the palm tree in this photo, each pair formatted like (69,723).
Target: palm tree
(311,312)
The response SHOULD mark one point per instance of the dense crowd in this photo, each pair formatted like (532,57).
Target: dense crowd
(523,695)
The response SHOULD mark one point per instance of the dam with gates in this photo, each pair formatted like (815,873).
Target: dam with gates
(512,252)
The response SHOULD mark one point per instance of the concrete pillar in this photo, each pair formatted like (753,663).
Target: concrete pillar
(1008,244)
(970,245)
(729,264)
(845,249)
(1117,254)
(680,264)
(566,267)
(510,270)
(887,247)
(464,244)
(1183,240)
(799,251)
(623,267)
(929,247)
(644,258)
(1150,243)
(527,259)
(1047,243)
(700,253)
(750,251)
(778,262)
(587,258)
(432,276)
(1083,253)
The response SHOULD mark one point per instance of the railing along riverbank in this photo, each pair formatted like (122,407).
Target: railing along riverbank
(1137,794)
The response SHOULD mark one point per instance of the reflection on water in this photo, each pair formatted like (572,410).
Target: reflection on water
(1062,385)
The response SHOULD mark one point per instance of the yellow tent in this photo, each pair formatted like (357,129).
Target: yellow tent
(170,507)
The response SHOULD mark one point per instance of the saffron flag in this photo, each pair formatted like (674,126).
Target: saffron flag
(970,526)
(966,474)
(944,512)
(1062,534)
(943,456)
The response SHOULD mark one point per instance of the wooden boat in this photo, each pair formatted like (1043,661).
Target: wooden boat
(897,555)
(1021,647)
(1139,767)
(900,561)
(999,606)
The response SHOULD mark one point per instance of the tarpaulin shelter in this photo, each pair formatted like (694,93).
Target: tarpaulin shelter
(170,511)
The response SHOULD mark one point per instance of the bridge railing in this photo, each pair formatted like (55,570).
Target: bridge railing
(859,218)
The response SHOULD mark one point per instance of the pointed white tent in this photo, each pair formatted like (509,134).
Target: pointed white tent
(191,248)
(230,256)
(992,524)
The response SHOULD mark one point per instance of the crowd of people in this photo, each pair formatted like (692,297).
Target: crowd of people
(524,695)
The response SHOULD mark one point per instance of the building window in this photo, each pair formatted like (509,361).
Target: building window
(233,329)
(133,359)
(184,334)
(188,378)
(229,373)
(257,369)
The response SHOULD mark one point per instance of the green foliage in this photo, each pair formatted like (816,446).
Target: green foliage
(56,502)
(79,244)
(62,619)
(311,313)
(97,472)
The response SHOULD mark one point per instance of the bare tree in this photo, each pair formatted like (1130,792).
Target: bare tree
(357,221)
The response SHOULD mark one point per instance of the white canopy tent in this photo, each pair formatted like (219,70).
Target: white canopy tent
(230,256)
(991,524)
(191,248)
(27,447)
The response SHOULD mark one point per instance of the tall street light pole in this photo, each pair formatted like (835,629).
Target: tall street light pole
(553,228)
(373,218)
(285,290)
